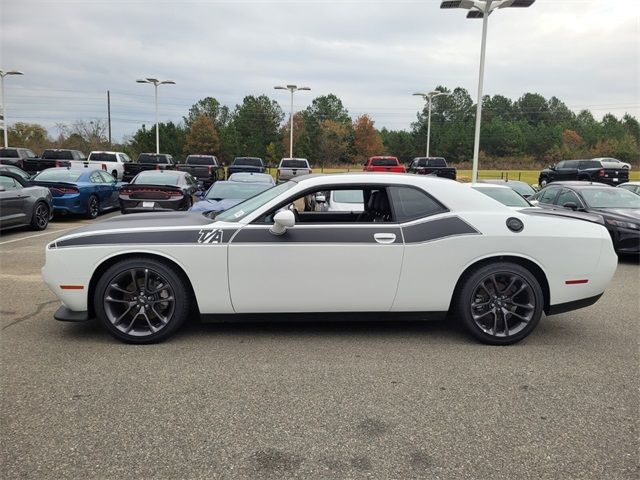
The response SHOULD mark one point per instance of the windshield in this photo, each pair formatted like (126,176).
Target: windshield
(161,177)
(249,206)
(103,157)
(348,196)
(251,177)
(200,160)
(293,164)
(521,188)
(610,198)
(505,196)
(253,162)
(9,153)
(384,162)
(58,175)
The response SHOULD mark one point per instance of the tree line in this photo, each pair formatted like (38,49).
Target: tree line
(529,129)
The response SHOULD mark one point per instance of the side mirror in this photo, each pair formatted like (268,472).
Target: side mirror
(283,220)
(320,198)
(552,167)
(572,205)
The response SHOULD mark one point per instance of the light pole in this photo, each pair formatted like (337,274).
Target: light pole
(5,124)
(428,97)
(291,88)
(155,82)
(482,9)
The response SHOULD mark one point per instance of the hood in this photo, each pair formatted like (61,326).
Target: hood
(629,214)
(208,205)
(147,220)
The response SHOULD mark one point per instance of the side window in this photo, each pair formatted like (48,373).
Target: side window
(548,195)
(9,183)
(560,164)
(411,203)
(96,177)
(568,196)
(571,164)
(106,177)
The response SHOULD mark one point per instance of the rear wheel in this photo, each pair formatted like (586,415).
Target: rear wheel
(93,207)
(141,300)
(500,304)
(40,216)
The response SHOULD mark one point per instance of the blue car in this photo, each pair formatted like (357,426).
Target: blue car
(225,194)
(79,191)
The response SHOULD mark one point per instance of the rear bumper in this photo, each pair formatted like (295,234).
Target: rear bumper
(63,314)
(136,206)
(69,204)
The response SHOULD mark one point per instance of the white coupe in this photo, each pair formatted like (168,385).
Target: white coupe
(422,247)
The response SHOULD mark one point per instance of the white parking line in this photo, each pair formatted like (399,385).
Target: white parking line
(37,235)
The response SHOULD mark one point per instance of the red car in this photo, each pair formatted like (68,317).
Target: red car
(384,164)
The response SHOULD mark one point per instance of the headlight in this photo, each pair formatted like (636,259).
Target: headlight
(621,224)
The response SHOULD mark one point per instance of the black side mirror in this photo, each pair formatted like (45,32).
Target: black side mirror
(572,205)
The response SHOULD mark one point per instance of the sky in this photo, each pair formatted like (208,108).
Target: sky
(372,54)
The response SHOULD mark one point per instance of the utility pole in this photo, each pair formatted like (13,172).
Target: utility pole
(109,115)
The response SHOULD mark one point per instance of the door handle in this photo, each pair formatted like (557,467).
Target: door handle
(385,237)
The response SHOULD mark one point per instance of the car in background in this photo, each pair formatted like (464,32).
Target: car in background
(340,201)
(583,170)
(523,188)
(292,167)
(613,162)
(79,191)
(619,208)
(384,164)
(432,166)
(204,168)
(246,164)
(252,178)
(52,157)
(224,195)
(22,204)
(16,171)
(633,187)
(503,194)
(159,191)
(147,161)
(15,156)
(112,162)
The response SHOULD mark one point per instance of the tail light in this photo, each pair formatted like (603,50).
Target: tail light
(57,163)
(209,169)
(158,166)
(601,173)
(64,190)
(104,167)
(175,194)
(126,191)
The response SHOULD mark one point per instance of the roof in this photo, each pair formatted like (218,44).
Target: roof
(498,181)
(577,183)
(488,185)
(103,151)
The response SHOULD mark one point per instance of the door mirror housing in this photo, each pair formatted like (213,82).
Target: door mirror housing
(552,167)
(572,205)
(283,220)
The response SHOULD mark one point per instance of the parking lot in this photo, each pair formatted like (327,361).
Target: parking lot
(314,400)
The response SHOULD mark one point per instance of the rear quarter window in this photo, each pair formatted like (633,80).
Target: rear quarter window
(411,203)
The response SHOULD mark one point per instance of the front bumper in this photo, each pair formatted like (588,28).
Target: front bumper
(626,240)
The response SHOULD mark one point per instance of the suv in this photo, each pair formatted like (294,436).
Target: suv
(584,170)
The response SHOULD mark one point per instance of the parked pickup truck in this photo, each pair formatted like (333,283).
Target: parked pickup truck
(147,161)
(246,164)
(292,167)
(587,170)
(53,158)
(205,168)
(384,164)
(432,166)
(112,162)
(15,156)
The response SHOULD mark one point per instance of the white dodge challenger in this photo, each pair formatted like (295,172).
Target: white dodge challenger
(418,247)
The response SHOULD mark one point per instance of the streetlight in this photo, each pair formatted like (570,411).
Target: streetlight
(482,9)
(428,97)
(155,82)
(5,124)
(291,88)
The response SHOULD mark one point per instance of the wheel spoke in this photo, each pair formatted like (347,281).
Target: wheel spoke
(159,300)
(513,281)
(145,286)
(521,317)
(117,288)
(481,304)
(478,317)
(494,331)
(495,284)
(133,278)
(133,319)
(504,320)
(117,300)
(117,320)
(162,318)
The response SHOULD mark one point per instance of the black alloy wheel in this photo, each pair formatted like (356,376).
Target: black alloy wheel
(93,207)
(141,300)
(500,303)
(40,216)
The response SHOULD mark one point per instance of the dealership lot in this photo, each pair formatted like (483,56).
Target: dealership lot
(314,400)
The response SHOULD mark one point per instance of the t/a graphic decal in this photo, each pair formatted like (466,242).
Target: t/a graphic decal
(210,236)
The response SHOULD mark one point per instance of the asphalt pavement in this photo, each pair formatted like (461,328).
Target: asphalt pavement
(394,400)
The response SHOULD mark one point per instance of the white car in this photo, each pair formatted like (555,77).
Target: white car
(341,201)
(112,162)
(608,162)
(422,247)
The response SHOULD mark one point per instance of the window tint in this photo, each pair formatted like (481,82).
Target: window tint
(58,175)
(8,183)
(436,162)
(567,196)
(589,164)
(560,164)
(156,177)
(505,196)
(249,161)
(411,203)
(153,158)
(96,177)
(548,195)
(294,164)
(571,164)
(16,171)
(103,157)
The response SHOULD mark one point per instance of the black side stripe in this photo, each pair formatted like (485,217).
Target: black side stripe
(436,229)
(317,234)
(164,237)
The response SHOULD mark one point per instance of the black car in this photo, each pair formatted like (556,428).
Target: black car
(147,161)
(158,191)
(22,204)
(432,166)
(583,170)
(619,208)
(522,188)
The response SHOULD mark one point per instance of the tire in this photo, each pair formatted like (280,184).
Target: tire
(135,317)
(543,182)
(93,207)
(40,216)
(501,317)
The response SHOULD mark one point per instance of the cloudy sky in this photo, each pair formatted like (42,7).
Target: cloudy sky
(373,54)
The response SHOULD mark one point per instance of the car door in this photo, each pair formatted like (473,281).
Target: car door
(13,203)
(100,188)
(567,171)
(317,265)
(111,188)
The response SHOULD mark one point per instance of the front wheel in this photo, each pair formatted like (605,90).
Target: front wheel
(141,300)
(40,217)
(500,304)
